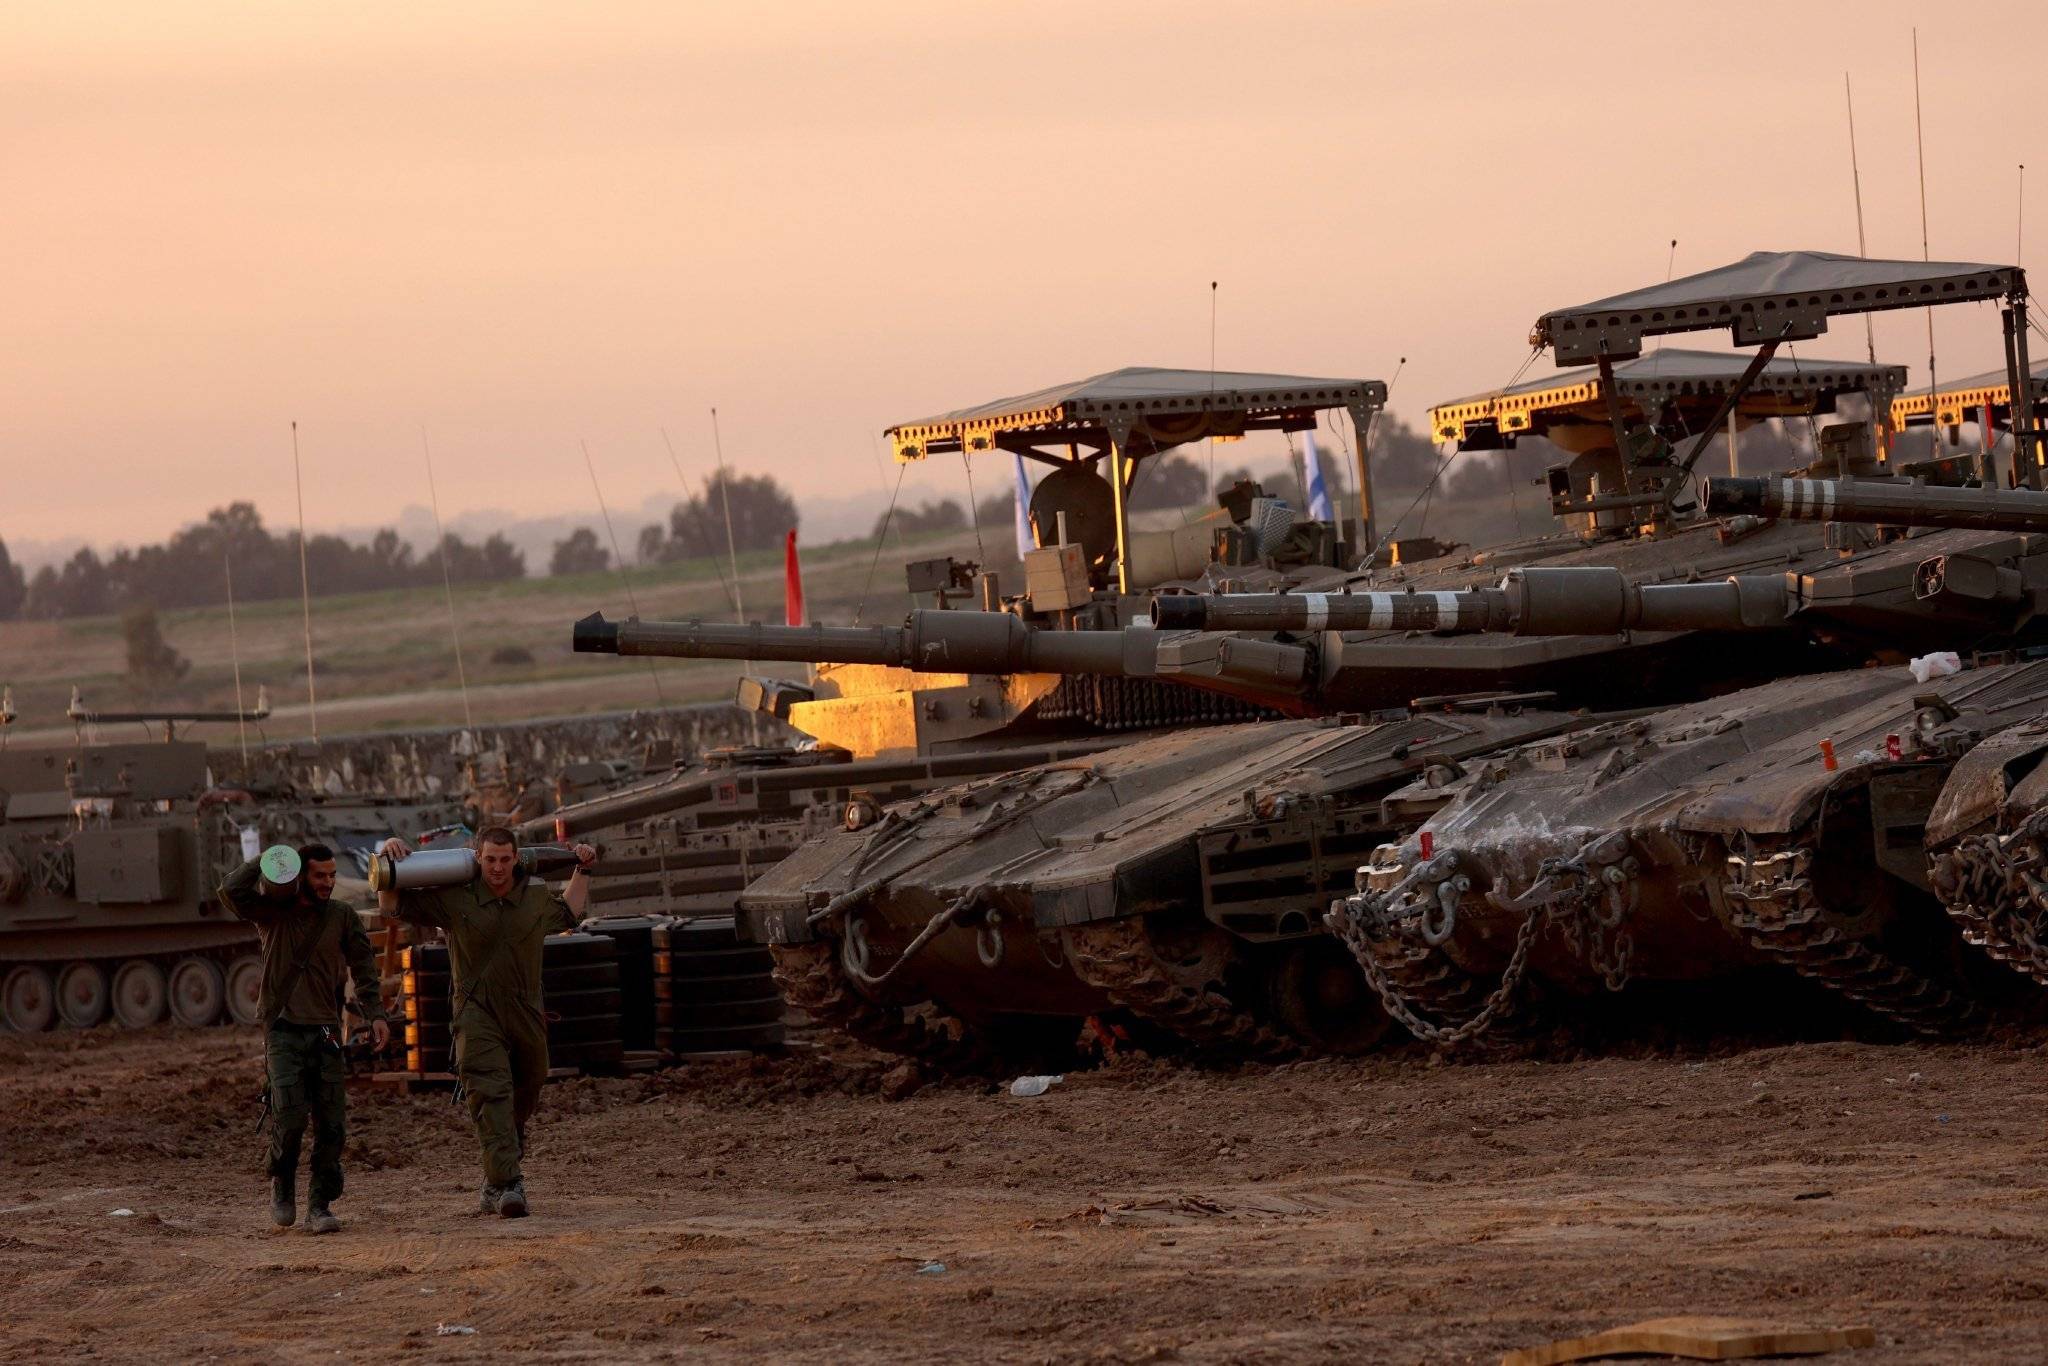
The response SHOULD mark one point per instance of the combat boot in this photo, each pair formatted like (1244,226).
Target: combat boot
(284,1202)
(319,1219)
(488,1202)
(512,1200)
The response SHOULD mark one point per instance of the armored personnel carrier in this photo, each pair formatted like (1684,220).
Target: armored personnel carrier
(110,853)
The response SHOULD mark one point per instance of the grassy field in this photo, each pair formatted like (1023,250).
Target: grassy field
(385,660)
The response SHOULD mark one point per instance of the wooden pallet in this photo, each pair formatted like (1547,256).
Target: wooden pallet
(404,1082)
(1696,1338)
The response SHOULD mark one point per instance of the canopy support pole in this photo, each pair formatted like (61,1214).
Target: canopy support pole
(1361,427)
(2024,419)
(1726,412)
(1119,487)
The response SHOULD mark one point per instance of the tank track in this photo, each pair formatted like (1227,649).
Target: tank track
(809,976)
(1117,958)
(1777,913)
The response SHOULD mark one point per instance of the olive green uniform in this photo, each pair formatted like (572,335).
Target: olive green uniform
(500,1026)
(301,1008)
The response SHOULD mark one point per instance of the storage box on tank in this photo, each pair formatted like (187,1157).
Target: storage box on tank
(130,866)
(1056,577)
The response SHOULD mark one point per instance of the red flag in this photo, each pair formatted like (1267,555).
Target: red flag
(792,582)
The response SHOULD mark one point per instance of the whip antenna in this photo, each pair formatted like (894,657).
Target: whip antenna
(725,497)
(227,561)
(447,578)
(1920,148)
(305,590)
(625,579)
(1212,386)
(703,511)
(1856,179)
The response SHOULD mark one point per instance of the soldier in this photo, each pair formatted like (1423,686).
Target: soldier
(311,945)
(495,925)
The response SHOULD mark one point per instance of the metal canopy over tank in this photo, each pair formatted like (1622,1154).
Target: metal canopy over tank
(1128,414)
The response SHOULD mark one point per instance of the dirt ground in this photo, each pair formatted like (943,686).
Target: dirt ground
(1392,1209)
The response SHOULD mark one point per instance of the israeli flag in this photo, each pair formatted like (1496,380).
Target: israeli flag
(1024,541)
(1319,509)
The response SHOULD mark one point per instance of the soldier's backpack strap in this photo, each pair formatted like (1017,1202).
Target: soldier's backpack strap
(291,980)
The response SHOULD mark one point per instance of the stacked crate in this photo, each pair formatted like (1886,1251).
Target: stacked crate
(580,992)
(634,935)
(713,994)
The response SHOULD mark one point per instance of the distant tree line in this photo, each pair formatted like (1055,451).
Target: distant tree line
(191,569)
(762,514)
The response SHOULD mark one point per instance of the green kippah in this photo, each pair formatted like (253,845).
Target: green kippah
(280,865)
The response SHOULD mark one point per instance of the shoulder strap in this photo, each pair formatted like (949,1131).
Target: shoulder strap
(291,980)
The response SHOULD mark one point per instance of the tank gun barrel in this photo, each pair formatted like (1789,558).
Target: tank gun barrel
(1532,601)
(949,641)
(1877,500)
(929,641)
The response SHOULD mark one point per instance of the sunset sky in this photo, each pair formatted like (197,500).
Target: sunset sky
(524,225)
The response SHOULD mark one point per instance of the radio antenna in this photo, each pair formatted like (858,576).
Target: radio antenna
(227,560)
(703,506)
(1856,179)
(725,496)
(305,589)
(1212,386)
(1920,147)
(625,578)
(447,577)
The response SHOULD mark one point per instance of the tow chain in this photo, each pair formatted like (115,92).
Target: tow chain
(1992,887)
(1350,928)
(810,976)
(1588,894)
(1774,906)
(1117,958)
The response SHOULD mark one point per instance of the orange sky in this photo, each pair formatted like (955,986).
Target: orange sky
(525,224)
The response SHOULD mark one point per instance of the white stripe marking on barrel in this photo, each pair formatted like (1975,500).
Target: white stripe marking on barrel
(1318,610)
(1446,609)
(1380,616)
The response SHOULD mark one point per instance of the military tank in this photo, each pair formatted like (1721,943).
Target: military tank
(875,727)
(1986,399)
(1790,821)
(1303,653)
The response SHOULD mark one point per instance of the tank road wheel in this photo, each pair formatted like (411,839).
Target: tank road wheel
(82,995)
(245,990)
(28,1002)
(1321,998)
(139,994)
(198,992)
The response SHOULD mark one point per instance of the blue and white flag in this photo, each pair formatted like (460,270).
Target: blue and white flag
(1319,509)
(1024,541)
